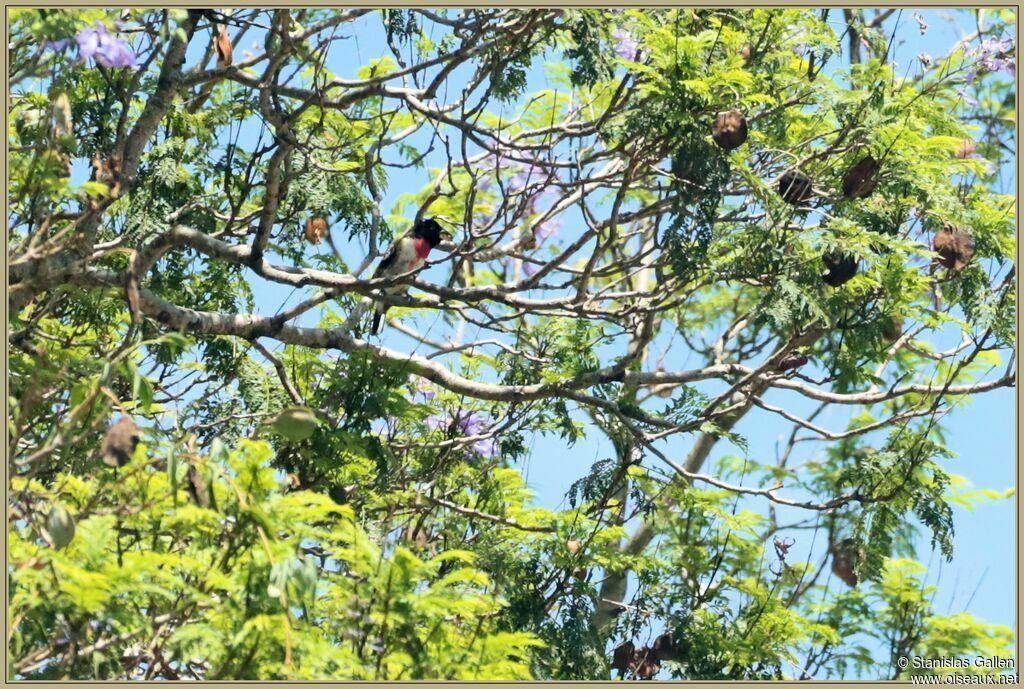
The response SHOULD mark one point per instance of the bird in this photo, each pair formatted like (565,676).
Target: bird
(408,253)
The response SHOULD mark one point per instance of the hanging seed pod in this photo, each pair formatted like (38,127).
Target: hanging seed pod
(665,647)
(747,52)
(795,187)
(729,129)
(224,48)
(892,328)
(573,546)
(316,230)
(120,442)
(860,180)
(60,527)
(841,268)
(845,557)
(791,361)
(622,656)
(196,487)
(954,246)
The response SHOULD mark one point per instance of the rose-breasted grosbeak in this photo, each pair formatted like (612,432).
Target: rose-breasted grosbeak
(409,252)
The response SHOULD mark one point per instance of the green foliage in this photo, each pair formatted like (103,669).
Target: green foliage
(308,502)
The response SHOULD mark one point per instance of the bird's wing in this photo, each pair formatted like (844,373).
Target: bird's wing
(389,257)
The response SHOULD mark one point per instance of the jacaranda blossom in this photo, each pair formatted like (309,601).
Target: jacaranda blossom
(105,49)
(469,424)
(626,46)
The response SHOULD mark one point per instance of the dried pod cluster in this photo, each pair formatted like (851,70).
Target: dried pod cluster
(845,557)
(861,179)
(644,662)
(954,246)
(729,129)
(120,442)
(840,268)
(795,187)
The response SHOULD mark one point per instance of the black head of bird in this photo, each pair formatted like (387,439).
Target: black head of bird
(431,230)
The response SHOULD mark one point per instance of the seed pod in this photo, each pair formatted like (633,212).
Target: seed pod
(795,187)
(664,647)
(892,328)
(622,657)
(196,487)
(647,665)
(295,423)
(841,268)
(60,527)
(955,247)
(746,52)
(845,557)
(793,360)
(729,129)
(224,47)
(316,230)
(860,180)
(573,546)
(120,442)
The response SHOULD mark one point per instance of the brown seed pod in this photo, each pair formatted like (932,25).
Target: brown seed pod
(573,546)
(622,657)
(196,487)
(861,179)
(791,361)
(316,230)
(954,246)
(746,52)
(892,328)
(845,557)
(729,129)
(224,47)
(665,647)
(647,664)
(795,187)
(840,268)
(120,442)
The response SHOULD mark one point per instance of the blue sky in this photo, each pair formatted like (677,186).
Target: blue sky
(981,578)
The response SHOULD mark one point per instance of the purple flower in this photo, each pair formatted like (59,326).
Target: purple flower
(468,425)
(968,101)
(626,46)
(425,391)
(800,50)
(106,50)
(57,46)
(992,46)
(485,448)
(530,269)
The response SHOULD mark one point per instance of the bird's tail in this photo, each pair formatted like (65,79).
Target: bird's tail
(378,320)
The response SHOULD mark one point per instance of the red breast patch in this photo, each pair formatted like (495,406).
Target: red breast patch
(422,249)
